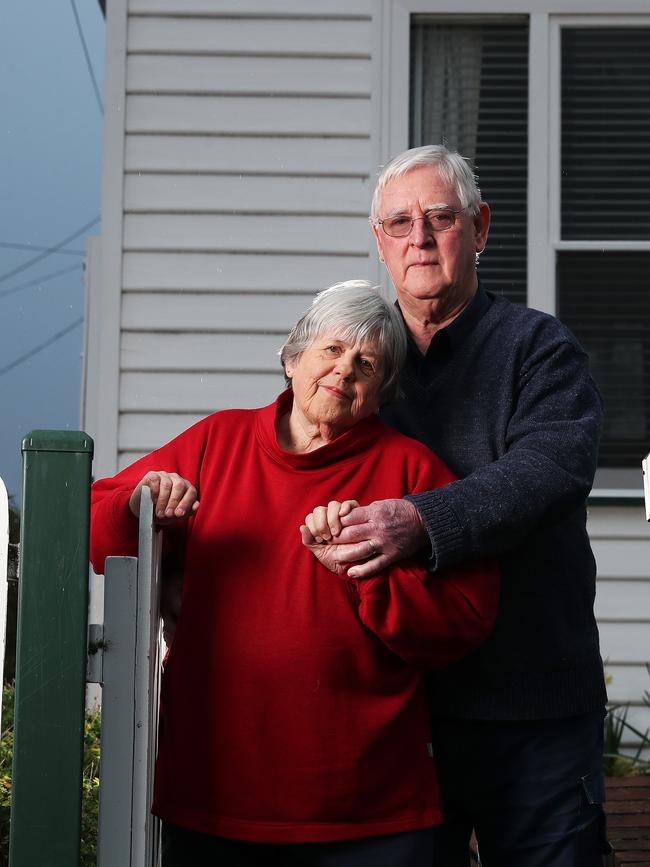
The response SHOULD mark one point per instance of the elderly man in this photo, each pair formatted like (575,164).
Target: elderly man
(504,395)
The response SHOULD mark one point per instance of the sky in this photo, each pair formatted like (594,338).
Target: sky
(50,179)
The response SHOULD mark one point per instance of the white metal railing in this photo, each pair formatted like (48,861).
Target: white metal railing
(4,587)
(132,654)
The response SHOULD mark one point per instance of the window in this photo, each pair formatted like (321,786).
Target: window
(603,293)
(469,88)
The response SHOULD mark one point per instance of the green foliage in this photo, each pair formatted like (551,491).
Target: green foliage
(6,756)
(616,763)
(90,781)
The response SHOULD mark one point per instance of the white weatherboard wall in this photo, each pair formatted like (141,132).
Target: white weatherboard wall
(242,140)
(621,542)
(246,148)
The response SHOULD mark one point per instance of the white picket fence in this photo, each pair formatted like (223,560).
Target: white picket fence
(132,654)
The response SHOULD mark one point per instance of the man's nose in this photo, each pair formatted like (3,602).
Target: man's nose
(421,233)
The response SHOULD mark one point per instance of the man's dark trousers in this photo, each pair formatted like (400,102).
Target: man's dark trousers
(533,791)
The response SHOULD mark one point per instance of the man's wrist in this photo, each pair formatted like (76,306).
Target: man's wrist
(421,535)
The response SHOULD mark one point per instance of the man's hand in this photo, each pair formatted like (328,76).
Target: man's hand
(382,533)
(173,496)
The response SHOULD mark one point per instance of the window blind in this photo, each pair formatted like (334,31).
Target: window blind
(469,90)
(604,299)
(606,133)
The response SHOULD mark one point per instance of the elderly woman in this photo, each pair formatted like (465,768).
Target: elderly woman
(293,723)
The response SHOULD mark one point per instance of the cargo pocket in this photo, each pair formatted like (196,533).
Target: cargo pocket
(593,790)
(592,799)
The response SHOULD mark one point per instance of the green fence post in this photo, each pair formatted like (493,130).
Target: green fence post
(51,650)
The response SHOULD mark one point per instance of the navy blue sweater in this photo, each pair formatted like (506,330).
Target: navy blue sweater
(505,397)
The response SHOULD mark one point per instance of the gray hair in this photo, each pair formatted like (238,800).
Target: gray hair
(353,311)
(454,170)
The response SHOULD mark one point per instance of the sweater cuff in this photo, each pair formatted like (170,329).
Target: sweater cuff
(440,522)
(123,520)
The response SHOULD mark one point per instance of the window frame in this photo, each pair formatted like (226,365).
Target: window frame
(546,19)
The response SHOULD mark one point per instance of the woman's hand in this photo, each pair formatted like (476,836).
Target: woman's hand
(324,522)
(173,497)
(320,529)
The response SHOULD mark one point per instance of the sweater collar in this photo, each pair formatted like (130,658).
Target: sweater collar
(348,445)
(467,320)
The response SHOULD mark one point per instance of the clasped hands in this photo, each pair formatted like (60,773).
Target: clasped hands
(369,537)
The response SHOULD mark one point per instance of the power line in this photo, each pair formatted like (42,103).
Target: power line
(11,246)
(48,251)
(42,279)
(87,56)
(41,346)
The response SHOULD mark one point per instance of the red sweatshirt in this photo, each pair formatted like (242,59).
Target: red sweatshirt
(292,706)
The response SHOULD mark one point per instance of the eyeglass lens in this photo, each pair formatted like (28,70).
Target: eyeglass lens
(436,221)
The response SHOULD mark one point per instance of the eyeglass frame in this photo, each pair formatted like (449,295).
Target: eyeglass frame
(425,216)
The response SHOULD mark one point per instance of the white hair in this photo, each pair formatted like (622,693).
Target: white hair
(353,311)
(454,170)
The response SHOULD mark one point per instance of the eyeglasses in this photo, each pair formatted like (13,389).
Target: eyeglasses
(436,220)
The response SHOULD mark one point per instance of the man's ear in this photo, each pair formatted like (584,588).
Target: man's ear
(481,227)
(376,231)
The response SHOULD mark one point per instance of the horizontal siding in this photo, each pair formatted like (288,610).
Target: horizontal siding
(622,558)
(628,682)
(257,156)
(252,115)
(204,352)
(268,37)
(249,75)
(263,233)
(201,194)
(255,8)
(238,272)
(625,642)
(610,522)
(197,393)
(620,538)
(141,432)
(621,599)
(214,312)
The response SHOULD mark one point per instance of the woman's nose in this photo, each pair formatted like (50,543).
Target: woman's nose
(344,367)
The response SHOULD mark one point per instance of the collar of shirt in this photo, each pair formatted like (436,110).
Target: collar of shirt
(446,341)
